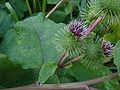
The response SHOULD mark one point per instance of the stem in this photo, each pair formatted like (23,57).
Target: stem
(63,60)
(44,6)
(28,5)
(61,1)
(93,25)
(73,60)
(62,56)
(34,5)
(68,86)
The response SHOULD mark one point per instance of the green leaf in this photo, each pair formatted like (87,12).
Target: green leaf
(115,35)
(2,2)
(111,37)
(82,73)
(54,79)
(6,22)
(30,42)
(116,55)
(65,76)
(58,13)
(12,75)
(47,70)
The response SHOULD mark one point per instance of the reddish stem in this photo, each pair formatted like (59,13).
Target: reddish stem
(93,25)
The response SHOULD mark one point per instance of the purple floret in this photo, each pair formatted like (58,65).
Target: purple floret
(76,27)
(108,48)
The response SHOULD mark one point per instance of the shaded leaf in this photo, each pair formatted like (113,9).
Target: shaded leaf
(58,13)
(12,75)
(82,73)
(6,22)
(116,55)
(114,36)
(53,79)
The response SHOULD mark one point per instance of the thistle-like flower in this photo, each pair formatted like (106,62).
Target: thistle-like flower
(66,41)
(77,28)
(108,48)
(70,38)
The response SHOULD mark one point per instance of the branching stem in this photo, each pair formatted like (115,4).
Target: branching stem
(73,60)
(68,86)
(63,60)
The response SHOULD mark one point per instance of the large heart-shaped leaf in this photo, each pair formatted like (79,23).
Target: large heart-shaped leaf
(30,42)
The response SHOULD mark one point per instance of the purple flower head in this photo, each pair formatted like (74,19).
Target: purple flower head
(77,28)
(108,48)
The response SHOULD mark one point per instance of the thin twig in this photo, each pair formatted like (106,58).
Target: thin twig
(63,60)
(67,86)
(61,56)
(92,26)
(61,1)
(73,60)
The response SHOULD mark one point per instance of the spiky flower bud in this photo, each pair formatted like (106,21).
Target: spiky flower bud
(77,28)
(109,9)
(65,41)
(108,48)
(94,57)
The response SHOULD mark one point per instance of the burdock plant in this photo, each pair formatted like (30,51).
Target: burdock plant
(77,40)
